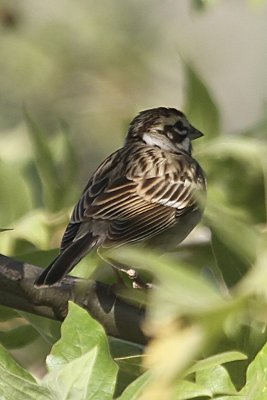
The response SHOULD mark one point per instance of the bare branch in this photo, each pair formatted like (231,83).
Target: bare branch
(119,318)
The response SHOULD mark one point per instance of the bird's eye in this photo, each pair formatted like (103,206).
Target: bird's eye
(179,125)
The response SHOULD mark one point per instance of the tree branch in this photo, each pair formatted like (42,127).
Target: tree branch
(120,319)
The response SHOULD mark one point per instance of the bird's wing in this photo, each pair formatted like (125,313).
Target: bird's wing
(142,200)
(95,186)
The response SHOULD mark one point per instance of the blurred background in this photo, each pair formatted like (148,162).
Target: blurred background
(74,73)
(87,68)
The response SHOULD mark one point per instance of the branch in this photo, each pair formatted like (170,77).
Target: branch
(120,319)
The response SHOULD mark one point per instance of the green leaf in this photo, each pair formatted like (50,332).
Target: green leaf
(12,183)
(79,334)
(16,382)
(80,363)
(181,289)
(31,230)
(216,379)
(234,232)
(234,397)
(183,389)
(200,107)
(128,356)
(90,376)
(18,337)
(134,390)
(215,360)
(190,390)
(7,313)
(47,168)
(256,385)
(70,158)
(47,328)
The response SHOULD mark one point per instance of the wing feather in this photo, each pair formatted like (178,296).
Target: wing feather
(136,197)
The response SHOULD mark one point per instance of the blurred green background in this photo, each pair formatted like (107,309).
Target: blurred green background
(85,69)
(72,76)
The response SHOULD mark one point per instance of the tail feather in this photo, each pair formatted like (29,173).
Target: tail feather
(66,260)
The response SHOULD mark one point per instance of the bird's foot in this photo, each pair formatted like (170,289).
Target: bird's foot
(137,283)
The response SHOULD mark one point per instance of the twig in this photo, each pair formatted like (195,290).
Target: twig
(120,319)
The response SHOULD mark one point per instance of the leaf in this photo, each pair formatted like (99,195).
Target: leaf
(234,397)
(18,337)
(216,379)
(215,360)
(47,328)
(239,236)
(80,363)
(256,385)
(129,357)
(254,283)
(31,230)
(134,390)
(200,107)
(87,377)
(70,157)
(15,195)
(180,290)
(16,382)
(7,313)
(79,334)
(190,390)
(48,171)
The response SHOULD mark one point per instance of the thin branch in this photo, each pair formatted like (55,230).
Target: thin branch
(120,319)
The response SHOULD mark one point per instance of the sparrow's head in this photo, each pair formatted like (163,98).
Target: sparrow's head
(162,127)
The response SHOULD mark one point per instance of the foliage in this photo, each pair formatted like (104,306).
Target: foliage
(207,315)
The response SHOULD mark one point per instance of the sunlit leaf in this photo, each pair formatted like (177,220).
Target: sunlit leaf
(33,228)
(80,363)
(91,376)
(239,236)
(16,382)
(256,386)
(181,290)
(216,379)
(135,389)
(215,360)
(79,334)
(190,390)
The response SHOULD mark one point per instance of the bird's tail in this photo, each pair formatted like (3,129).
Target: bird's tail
(67,260)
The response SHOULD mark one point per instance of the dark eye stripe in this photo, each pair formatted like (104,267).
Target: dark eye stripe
(179,125)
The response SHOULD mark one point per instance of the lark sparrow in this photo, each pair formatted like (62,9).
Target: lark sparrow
(144,192)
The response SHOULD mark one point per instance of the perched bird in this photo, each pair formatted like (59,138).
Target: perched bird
(145,192)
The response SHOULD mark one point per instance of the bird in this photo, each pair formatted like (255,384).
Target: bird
(147,192)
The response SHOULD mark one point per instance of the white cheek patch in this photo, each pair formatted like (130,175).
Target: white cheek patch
(152,140)
(186,143)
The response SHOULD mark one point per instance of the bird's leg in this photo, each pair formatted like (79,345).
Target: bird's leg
(137,282)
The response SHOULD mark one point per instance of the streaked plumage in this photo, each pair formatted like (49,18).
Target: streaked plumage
(143,192)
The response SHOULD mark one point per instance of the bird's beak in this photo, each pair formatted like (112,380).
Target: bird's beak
(194,133)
